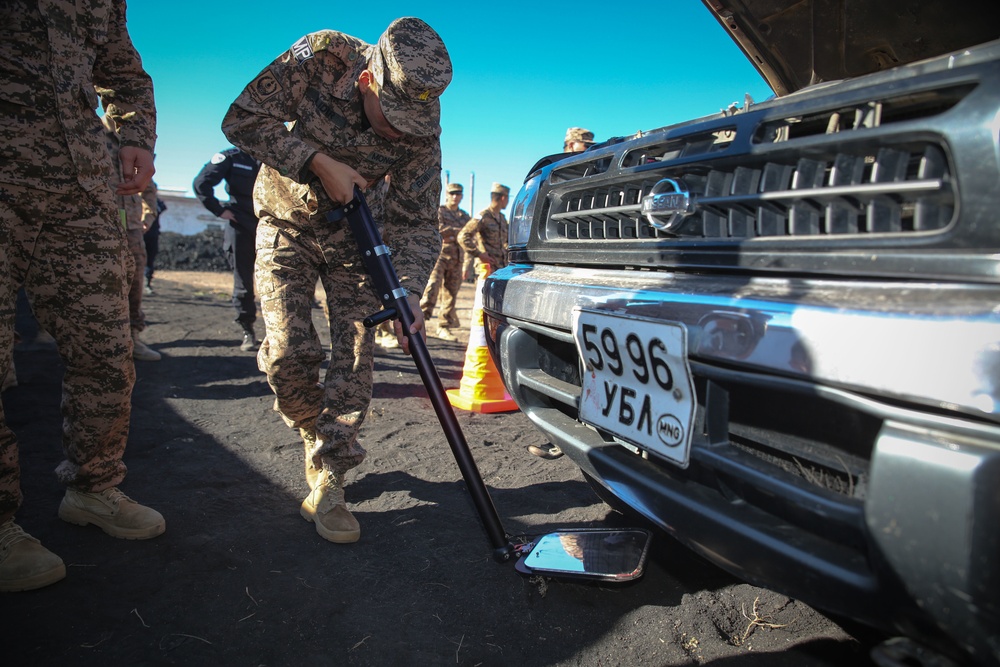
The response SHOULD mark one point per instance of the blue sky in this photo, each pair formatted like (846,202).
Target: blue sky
(523,72)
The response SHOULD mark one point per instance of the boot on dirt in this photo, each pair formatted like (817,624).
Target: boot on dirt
(141,351)
(309,440)
(444,333)
(24,563)
(113,512)
(325,506)
(250,342)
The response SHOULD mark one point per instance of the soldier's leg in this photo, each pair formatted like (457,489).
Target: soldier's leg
(430,295)
(137,318)
(16,236)
(78,282)
(291,354)
(137,251)
(452,283)
(243,276)
(348,384)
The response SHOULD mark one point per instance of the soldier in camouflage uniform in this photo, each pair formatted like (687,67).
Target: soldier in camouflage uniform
(485,236)
(133,208)
(577,140)
(447,271)
(61,237)
(355,112)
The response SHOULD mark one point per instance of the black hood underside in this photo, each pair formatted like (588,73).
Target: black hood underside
(797,43)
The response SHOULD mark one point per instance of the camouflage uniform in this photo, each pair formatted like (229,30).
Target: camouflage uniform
(132,205)
(577,139)
(486,233)
(447,271)
(60,234)
(314,85)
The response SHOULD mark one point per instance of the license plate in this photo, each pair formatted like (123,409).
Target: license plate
(636,382)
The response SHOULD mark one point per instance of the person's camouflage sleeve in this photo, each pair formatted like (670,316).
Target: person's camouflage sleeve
(486,233)
(256,119)
(306,101)
(125,88)
(51,138)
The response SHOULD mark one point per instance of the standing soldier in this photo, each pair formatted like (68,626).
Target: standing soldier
(577,140)
(61,238)
(485,236)
(239,171)
(132,207)
(330,114)
(447,271)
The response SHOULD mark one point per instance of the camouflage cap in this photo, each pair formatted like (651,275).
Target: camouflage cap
(579,134)
(412,68)
(454,187)
(499,189)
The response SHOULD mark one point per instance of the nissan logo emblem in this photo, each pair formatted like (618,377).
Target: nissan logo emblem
(667,204)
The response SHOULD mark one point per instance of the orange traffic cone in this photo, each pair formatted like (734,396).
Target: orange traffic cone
(481,389)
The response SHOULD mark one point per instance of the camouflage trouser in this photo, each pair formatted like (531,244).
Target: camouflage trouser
(288,265)
(447,273)
(70,253)
(137,246)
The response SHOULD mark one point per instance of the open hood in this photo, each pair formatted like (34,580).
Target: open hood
(796,43)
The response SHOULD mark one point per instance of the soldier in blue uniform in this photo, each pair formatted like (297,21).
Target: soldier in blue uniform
(239,171)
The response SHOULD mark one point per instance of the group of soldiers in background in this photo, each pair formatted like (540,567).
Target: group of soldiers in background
(467,241)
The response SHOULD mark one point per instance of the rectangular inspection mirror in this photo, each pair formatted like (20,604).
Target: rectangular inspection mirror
(603,554)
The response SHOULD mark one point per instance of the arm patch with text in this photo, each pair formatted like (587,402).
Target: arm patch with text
(263,87)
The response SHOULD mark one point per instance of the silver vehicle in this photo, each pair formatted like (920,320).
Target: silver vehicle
(775,332)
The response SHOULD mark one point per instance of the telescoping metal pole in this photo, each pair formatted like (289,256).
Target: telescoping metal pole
(375,256)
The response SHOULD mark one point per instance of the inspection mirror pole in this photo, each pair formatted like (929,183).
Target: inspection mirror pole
(610,555)
(375,256)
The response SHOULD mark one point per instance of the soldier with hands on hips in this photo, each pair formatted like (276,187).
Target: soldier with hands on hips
(447,273)
(485,236)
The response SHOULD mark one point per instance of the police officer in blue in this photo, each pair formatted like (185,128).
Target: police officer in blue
(239,171)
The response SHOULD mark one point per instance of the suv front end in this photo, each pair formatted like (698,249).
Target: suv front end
(782,328)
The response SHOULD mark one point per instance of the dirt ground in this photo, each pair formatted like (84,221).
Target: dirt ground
(239,578)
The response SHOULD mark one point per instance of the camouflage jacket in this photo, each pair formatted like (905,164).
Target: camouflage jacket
(306,101)
(487,232)
(53,53)
(450,223)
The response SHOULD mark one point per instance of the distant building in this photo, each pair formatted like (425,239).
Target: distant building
(185,214)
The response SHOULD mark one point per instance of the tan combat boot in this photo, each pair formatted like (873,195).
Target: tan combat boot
(141,351)
(113,512)
(312,472)
(24,563)
(325,506)
(444,333)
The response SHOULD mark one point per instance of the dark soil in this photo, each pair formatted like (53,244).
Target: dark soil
(239,578)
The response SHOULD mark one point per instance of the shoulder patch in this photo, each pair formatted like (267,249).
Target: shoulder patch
(218,158)
(263,87)
(344,47)
(302,50)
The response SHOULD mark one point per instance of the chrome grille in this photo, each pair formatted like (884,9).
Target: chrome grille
(888,190)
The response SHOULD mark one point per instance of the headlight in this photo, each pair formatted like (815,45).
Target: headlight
(522,214)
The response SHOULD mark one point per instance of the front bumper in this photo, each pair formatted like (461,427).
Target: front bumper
(847,450)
